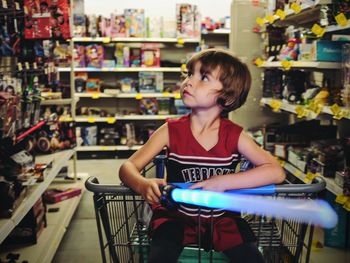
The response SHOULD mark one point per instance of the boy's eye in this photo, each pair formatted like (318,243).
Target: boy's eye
(204,77)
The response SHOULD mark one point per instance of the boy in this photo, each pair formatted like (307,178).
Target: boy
(204,148)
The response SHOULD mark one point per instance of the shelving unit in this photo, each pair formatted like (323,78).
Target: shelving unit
(172,49)
(51,235)
(335,114)
(34,192)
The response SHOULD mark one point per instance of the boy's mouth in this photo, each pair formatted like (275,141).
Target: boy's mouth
(186,93)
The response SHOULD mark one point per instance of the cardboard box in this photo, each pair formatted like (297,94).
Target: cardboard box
(325,50)
(57,195)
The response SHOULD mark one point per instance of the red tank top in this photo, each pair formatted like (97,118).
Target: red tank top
(188,161)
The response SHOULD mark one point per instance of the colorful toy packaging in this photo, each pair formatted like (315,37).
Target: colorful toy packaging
(79,56)
(46,19)
(135,22)
(188,21)
(94,56)
(118,26)
(150,55)
(151,81)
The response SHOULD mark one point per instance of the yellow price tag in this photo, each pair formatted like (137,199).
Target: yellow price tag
(106,40)
(104,148)
(335,109)
(95,96)
(286,64)
(183,67)
(297,173)
(342,114)
(138,96)
(315,107)
(281,162)
(341,19)
(346,206)
(166,94)
(281,14)
(270,18)
(259,62)
(260,21)
(318,30)
(300,111)
(180,41)
(342,199)
(111,120)
(275,105)
(91,120)
(177,96)
(309,177)
(296,8)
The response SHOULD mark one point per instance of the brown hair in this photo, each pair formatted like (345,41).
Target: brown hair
(234,76)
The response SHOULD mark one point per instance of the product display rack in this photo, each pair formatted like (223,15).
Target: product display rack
(99,99)
(336,114)
(33,193)
(52,234)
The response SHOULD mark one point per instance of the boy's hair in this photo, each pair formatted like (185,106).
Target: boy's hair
(233,74)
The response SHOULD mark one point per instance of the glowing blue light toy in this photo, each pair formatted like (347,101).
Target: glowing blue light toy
(316,212)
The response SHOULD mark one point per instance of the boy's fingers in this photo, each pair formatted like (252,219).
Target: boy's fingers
(155,188)
(196,185)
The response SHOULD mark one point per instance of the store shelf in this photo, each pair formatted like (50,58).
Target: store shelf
(34,192)
(333,28)
(128,95)
(136,39)
(220,31)
(93,119)
(99,148)
(303,64)
(128,69)
(330,184)
(293,108)
(56,102)
(52,235)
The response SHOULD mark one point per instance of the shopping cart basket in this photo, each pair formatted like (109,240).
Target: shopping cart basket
(123,232)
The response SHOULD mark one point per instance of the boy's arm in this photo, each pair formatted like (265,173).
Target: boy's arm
(266,171)
(129,172)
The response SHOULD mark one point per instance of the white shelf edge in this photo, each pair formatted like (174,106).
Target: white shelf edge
(93,119)
(291,108)
(136,39)
(330,184)
(56,102)
(124,69)
(304,64)
(101,148)
(127,95)
(34,192)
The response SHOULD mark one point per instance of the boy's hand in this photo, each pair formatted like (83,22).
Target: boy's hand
(150,190)
(214,183)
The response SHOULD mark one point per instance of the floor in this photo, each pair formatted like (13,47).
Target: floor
(80,243)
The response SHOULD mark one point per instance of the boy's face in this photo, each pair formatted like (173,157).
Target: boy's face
(201,89)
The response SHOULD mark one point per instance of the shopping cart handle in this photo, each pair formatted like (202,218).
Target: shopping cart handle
(262,190)
(92,184)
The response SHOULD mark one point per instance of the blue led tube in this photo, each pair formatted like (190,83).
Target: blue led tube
(317,212)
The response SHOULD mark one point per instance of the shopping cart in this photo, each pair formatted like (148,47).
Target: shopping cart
(123,232)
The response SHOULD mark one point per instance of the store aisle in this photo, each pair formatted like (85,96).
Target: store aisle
(80,242)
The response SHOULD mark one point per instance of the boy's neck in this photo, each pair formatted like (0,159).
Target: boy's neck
(204,120)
